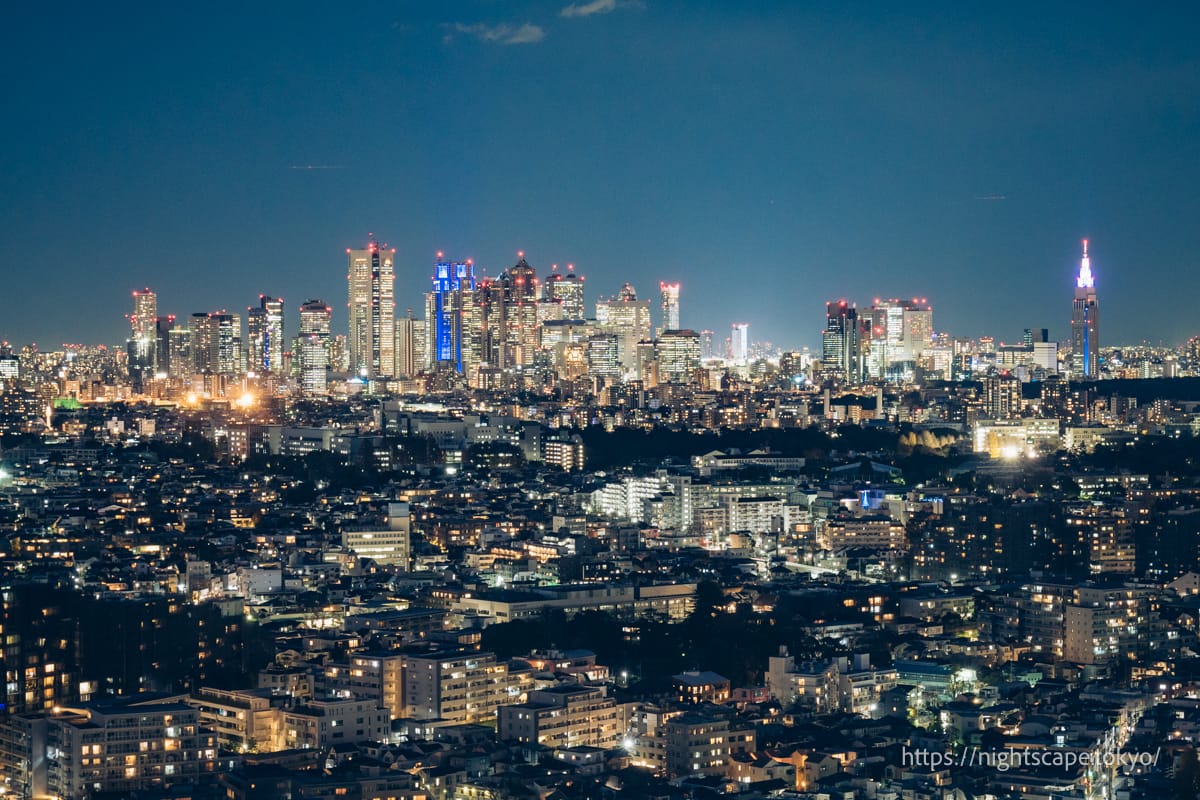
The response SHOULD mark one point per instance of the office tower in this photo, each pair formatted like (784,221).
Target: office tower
(198,347)
(10,365)
(628,318)
(1045,355)
(179,353)
(314,346)
(568,290)
(678,355)
(141,345)
(603,357)
(372,311)
(410,346)
(706,345)
(448,315)
(1085,322)
(739,343)
(217,343)
(840,343)
(670,306)
(510,309)
(163,326)
(899,331)
(264,328)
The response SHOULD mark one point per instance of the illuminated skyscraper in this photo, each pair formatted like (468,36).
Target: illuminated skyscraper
(180,363)
(314,346)
(447,314)
(840,343)
(217,343)
(678,355)
(603,357)
(670,306)
(568,290)
(372,311)
(628,318)
(410,345)
(141,347)
(510,318)
(899,331)
(264,328)
(1085,322)
(739,343)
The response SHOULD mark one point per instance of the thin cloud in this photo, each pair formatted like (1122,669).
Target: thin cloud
(587,9)
(501,34)
(990,197)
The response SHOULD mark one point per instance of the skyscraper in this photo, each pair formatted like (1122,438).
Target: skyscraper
(509,305)
(568,290)
(314,346)
(739,343)
(217,343)
(410,345)
(840,343)
(629,319)
(899,331)
(372,310)
(670,306)
(452,299)
(141,347)
(264,328)
(678,355)
(1085,322)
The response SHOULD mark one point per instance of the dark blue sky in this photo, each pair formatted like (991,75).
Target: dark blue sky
(769,156)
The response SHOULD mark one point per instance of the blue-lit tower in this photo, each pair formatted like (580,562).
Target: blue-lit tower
(1085,322)
(451,300)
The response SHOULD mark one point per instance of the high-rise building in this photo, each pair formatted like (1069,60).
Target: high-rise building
(739,343)
(841,347)
(372,310)
(163,328)
(448,314)
(1085,322)
(1001,396)
(264,328)
(141,347)
(314,346)
(217,343)
(603,356)
(566,289)
(670,306)
(706,345)
(899,331)
(410,345)
(678,355)
(628,318)
(510,320)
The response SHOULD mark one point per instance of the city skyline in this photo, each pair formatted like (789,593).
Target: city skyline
(855,156)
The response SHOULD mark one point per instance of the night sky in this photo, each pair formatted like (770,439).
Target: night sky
(769,156)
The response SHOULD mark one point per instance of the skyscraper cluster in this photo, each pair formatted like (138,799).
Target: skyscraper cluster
(894,339)
(516,330)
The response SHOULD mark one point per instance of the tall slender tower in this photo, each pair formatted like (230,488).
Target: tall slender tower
(142,343)
(670,306)
(1085,322)
(314,346)
(264,328)
(841,353)
(449,337)
(372,310)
